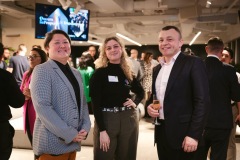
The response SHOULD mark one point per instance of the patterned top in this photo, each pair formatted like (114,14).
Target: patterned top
(147,78)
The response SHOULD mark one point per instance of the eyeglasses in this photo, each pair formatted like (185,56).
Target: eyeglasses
(32,57)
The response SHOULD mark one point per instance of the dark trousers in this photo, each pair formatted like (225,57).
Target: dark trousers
(6,140)
(29,134)
(122,128)
(217,139)
(165,152)
(90,110)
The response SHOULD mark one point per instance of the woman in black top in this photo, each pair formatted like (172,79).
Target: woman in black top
(116,119)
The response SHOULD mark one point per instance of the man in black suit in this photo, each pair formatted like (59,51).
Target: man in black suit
(10,95)
(224,86)
(180,83)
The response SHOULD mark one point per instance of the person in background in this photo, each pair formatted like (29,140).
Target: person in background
(86,73)
(227,57)
(89,61)
(62,119)
(160,59)
(18,64)
(134,54)
(143,54)
(188,51)
(154,62)
(180,84)
(224,87)
(6,55)
(135,64)
(12,96)
(116,122)
(3,64)
(147,76)
(36,57)
(93,52)
(70,62)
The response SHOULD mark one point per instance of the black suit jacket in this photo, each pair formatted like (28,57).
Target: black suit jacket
(10,95)
(224,87)
(186,100)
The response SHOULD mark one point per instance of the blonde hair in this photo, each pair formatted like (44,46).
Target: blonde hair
(102,61)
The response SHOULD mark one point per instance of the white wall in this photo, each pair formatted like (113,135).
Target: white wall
(22,31)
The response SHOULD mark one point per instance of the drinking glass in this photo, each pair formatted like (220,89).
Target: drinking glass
(156,106)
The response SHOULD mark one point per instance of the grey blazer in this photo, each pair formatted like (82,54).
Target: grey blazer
(58,120)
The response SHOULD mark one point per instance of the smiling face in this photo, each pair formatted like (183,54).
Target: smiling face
(113,51)
(170,42)
(59,48)
(34,59)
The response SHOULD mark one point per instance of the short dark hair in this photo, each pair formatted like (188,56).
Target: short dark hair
(166,28)
(36,46)
(230,51)
(215,44)
(43,56)
(92,46)
(50,35)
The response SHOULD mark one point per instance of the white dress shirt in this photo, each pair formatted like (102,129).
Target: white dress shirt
(162,80)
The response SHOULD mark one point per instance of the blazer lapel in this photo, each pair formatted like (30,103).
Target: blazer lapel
(64,78)
(177,67)
(155,74)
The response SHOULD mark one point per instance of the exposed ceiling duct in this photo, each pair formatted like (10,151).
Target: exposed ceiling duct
(142,19)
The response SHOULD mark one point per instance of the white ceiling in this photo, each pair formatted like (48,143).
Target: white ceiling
(141,20)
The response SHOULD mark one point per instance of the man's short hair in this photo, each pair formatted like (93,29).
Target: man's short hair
(215,44)
(166,28)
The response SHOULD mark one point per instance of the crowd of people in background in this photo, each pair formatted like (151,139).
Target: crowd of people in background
(199,99)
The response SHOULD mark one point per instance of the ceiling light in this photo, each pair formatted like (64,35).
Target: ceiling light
(96,43)
(128,39)
(194,38)
(208,4)
(65,4)
(77,9)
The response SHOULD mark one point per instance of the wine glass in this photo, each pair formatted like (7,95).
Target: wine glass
(156,106)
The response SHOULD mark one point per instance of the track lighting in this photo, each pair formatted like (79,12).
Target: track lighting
(208,4)
(78,7)
(65,4)
(194,38)
(128,39)
(50,1)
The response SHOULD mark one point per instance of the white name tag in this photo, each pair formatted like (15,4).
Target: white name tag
(112,78)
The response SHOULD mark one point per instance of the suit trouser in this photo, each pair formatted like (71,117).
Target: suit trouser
(6,140)
(65,156)
(165,152)
(122,129)
(231,152)
(218,140)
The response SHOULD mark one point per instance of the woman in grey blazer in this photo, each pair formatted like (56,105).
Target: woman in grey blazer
(57,93)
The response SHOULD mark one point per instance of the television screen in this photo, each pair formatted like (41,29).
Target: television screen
(49,17)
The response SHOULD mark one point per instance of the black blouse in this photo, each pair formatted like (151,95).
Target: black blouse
(109,88)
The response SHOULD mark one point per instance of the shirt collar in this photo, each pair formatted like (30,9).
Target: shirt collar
(162,61)
(211,55)
(61,65)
